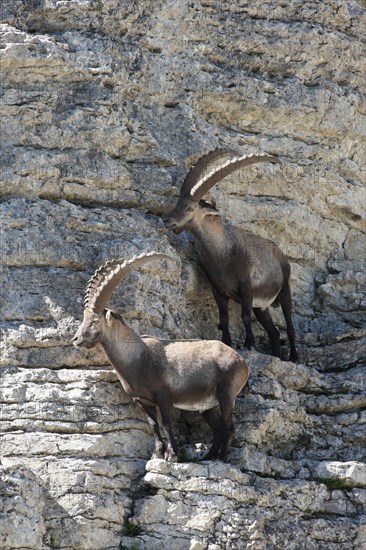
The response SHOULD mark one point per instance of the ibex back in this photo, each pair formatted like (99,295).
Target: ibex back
(194,375)
(239,265)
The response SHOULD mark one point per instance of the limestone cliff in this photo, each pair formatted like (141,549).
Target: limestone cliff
(104,106)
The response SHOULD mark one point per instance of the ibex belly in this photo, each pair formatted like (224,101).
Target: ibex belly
(200,405)
(264,302)
(265,288)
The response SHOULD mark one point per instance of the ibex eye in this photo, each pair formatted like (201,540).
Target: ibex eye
(189,209)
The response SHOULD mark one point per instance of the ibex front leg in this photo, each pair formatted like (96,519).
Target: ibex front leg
(152,419)
(223,305)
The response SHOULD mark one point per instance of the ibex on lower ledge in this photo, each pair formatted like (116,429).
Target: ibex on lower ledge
(239,265)
(192,375)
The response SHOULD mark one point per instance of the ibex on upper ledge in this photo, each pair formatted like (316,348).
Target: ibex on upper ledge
(194,375)
(241,266)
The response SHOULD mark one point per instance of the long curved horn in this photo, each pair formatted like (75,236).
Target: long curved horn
(107,277)
(201,167)
(232,161)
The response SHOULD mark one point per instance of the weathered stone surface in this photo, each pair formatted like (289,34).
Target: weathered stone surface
(351,474)
(235,510)
(104,107)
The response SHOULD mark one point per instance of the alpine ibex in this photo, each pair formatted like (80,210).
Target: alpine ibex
(193,375)
(239,265)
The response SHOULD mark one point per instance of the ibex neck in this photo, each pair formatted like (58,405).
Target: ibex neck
(209,233)
(125,350)
(209,224)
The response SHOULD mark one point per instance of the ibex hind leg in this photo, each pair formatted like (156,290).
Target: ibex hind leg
(229,431)
(213,419)
(246,297)
(226,403)
(265,320)
(286,305)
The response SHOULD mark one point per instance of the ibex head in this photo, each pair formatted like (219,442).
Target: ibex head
(209,170)
(90,331)
(97,320)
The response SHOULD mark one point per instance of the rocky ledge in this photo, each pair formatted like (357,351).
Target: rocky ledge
(75,471)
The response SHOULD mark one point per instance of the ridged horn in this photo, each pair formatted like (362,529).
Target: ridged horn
(231,161)
(107,277)
(201,166)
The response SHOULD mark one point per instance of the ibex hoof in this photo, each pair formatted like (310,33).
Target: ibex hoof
(226,341)
(170,457)
(210,456)
(156,454)
(249,344)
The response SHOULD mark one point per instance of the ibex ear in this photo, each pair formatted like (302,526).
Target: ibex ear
(109,317)
(208,203)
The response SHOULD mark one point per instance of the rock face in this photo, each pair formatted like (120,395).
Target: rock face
(104,107)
